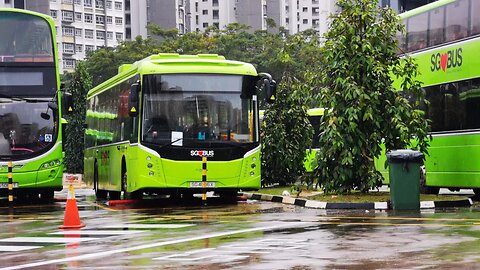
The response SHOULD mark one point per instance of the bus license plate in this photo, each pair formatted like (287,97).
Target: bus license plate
(199,184)
(5,185)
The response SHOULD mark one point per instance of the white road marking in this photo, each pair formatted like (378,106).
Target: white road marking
(152,245)
(147,226)
(96,232)
(17,248)
(47,239)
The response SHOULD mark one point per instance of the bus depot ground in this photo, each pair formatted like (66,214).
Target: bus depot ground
(250,234)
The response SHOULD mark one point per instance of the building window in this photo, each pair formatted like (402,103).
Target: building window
(109,19)
(205,12)
(89,33)
(69,63)
(100,19)
(88,17)
(305,21)
(67,1)
(101,35)
(215,15)
(53,13)
(78,48)
(89,48)
(109,35)
(108,4)
(205,25)
(118,5)
(68,48)
(67,16)
(99,3)
(78,2)
(305,9)
(87,3)
(118,20)
(78,32)
(68,31)
(78,16)
(119,36)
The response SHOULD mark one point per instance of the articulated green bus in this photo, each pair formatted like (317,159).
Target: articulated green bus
(149,126)
(30,115)
(444,39)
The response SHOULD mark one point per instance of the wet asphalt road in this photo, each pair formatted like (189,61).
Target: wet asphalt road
(246,235)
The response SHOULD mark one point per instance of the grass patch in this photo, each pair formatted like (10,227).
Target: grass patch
(355,197)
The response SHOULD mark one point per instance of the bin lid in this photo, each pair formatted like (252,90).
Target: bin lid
(404,155)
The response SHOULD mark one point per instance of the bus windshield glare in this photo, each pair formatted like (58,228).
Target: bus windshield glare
(25,38)
(189,109)
(23,132)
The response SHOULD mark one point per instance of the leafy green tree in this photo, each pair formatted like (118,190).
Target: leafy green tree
(79,85)
(286,134)
(363,108)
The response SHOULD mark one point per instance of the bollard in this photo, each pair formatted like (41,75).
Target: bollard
(204,179)
(10,184)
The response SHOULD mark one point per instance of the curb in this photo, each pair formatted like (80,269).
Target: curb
(365,206)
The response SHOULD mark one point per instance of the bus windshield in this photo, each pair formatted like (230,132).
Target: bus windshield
(25,38)
(23,131)
(191,109)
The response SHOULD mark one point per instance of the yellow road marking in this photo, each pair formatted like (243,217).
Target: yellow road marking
(396,224)
(403,218)
(101,206)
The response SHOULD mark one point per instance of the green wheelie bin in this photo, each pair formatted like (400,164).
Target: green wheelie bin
(404,173)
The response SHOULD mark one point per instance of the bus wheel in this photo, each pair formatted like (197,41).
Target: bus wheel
(47,195)
(100,194)
(228,196)
(114,195)
(424,189)
(136,195)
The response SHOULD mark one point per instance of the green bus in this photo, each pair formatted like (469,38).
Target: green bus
(30,107)
(444,39)
(149,126)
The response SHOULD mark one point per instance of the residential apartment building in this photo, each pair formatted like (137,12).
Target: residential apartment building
(198,15)
(85,25)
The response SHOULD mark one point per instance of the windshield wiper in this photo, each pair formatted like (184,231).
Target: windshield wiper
(13,98)
(170,143)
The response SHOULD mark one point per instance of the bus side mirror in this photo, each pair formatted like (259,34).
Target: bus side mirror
(270,87)
(67,105)
(133,100)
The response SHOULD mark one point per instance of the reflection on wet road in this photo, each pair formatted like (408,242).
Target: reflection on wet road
(248,235)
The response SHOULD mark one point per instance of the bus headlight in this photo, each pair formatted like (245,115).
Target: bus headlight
(151,173)
(149,158)
(149,165)
(252,174)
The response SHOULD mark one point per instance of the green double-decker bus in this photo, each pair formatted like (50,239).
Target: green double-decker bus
(30,107)
(444,39)
(149,126)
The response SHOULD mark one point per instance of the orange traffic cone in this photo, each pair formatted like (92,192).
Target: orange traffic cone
(72,218)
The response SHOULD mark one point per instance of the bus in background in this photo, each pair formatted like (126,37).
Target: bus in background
(444,39)
(149,126)
(315,118)
(30,117)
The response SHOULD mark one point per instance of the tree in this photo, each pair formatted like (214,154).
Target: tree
(363,110)
(79,85)
(287,133)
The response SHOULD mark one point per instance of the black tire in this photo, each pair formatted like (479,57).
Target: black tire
(424,189)
(136,195)
(47,195)
(228,196)
(99,194)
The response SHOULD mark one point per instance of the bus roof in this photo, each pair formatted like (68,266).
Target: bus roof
(170,63)
(46,17)
(425,8)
